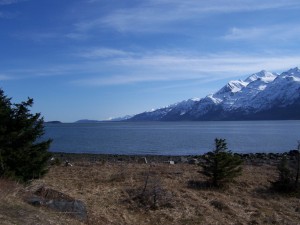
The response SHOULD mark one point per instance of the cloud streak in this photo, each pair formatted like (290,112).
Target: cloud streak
(103,53)
(155,67)
(9,2)
(106,66)
(4,77)
(154,15)
(275,32)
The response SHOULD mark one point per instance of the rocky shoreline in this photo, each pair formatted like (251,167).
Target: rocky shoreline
(248,158)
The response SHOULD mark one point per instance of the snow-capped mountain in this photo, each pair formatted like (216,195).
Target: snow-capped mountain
(127,117)
(263,96)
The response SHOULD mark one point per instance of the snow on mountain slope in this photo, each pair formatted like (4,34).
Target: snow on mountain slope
(177,109)
(262,75)
(283,91)
(258,94)
(256,84)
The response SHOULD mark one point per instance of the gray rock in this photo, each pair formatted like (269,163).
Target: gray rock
(193,161)
(75,208)
(58,201)
(143,160)
(35,200)
(183,159)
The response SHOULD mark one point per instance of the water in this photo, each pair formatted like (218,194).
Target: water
(173,138)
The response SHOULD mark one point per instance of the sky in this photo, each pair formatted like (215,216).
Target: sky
(99,59)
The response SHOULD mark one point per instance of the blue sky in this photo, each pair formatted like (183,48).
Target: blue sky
(96,59)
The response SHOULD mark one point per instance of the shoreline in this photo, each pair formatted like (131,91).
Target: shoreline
(192,159)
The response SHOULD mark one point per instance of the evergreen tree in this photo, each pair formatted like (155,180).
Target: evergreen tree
(288,170)
(286,179)
(5,112)
(221,165)
(22,156)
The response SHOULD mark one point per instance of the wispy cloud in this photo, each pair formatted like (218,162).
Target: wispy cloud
(157,17)
(9,2)
(153,15)
(104,66)
(77,36)
(103,53)
(30,72)
(276,32)
(46,36)
(4,77)
(4,13)
(149,68)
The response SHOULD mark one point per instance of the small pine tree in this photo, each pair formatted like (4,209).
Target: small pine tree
(22,156)
(286,179)
(288,170)
(221,165)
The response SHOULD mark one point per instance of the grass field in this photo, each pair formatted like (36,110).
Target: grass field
(132,193)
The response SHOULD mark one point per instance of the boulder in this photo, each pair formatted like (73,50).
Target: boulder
(58,201)
(193,161)
(74,208)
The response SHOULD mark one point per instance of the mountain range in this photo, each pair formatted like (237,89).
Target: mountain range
(262,96)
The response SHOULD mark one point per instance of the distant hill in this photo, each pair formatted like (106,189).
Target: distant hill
(55,122)
(87,121)
(262,96)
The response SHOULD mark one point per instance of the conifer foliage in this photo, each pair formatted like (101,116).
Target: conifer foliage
(288,171)
(221,165)
(22,156)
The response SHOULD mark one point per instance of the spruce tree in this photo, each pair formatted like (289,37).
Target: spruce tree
(22,155)
(5,112)
(286,179)
(221,165)
(288,171)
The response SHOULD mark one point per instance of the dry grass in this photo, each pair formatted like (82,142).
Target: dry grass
(109,191)
(14,211)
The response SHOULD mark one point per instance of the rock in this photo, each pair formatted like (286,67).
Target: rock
(34,200)
(193,161)
(171,162)
(75,208)
(143,160)
(67,163)
(183,159)
(58,201)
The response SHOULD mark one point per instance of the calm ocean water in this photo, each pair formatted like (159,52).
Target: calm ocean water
(173,138)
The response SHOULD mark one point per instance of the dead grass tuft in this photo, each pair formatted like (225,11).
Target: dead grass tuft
(150,195)
(8,188)
(219,205)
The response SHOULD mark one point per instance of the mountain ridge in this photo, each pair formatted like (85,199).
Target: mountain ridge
(261,96)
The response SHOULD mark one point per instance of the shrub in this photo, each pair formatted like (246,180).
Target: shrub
(22,156)
(221,166)
(151,195)
(288,170)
